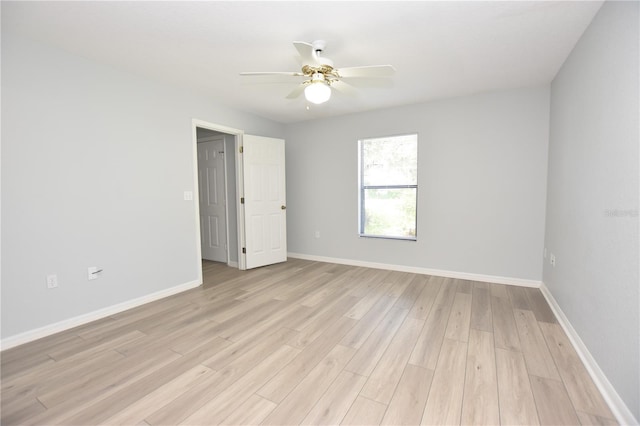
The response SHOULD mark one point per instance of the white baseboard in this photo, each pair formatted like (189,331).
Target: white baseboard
(232,264)
(418,270)
(48,330)
(619,409)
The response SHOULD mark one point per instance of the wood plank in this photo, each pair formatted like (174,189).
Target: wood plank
(367,280)
(366,303)
(499,290)
(167,311)
(190,314)
(505,332)
(365,360)
(297,404)
(235,367)
(116,374)
(20,409)
(87,349)
(481,315)
(272,318)
(310,316)
(141,342)
(581,390)
(142,384)
(459,318)
(322,291)
(408,297)
(480,402)
(534,348)
(364,411)
(43,378)
(539,306)
(251,412)
(33,354)
(408,402)
(332,407)
(553,403)
(303,287)
(182,406)
(517,406)
(400,281)
(463,286)
(587,419)
(75,398)
(444,402)
(231,398)
(425,354)
(363,329)
(518,297)
(278,387)
(20,393)
(323,321)
(136,412)
(235,328)
(425,300)
(248,350)
(388,371)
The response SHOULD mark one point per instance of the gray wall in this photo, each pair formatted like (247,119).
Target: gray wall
(592,201)
(94,165)
(482,164)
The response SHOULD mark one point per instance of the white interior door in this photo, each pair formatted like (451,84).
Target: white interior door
(213,215)
(265,215)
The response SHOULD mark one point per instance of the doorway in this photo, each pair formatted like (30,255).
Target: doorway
(217,212)
(254,190)
(213,197)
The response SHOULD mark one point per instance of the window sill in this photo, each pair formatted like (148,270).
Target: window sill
(384,237)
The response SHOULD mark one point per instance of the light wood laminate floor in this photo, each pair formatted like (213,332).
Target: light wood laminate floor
(306,342)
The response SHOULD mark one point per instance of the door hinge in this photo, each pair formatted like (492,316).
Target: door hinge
(241,149)
(244,250)
(241,200)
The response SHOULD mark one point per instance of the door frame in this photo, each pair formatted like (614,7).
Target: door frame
(195,123)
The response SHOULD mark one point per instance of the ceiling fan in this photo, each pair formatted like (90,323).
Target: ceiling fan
(321,74)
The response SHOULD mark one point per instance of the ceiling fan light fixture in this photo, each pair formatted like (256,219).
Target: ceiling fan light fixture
(317,92)
(321,74)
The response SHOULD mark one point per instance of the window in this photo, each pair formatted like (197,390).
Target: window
(388,180)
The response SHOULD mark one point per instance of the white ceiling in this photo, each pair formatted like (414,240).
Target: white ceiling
(439,49)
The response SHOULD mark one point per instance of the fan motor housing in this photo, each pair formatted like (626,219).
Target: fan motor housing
(325,70)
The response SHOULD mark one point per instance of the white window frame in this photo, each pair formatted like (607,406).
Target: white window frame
(362,188)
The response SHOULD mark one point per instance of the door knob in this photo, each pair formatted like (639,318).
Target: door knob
(283,207)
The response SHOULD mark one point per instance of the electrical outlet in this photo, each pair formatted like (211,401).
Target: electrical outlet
(552,259)
(317,234)
(52,281)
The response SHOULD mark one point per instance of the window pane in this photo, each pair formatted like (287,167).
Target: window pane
(390,212)
(390,161)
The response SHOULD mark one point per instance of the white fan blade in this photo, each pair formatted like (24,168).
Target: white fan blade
(306,53)
(296,92)
(370,83)
(367,71)
(343,87)
(294,74)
